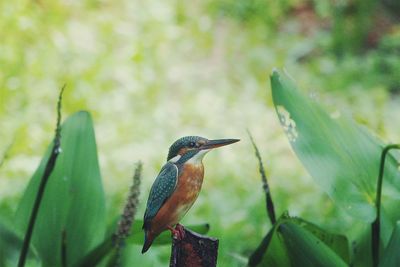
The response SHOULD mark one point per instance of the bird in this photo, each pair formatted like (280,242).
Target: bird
(177,186)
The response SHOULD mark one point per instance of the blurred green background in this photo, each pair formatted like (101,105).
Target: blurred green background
(152,71)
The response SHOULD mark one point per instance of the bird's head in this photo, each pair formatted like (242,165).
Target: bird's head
(194,148)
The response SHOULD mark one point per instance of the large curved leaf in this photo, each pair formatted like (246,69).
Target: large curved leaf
(305,249)
(297,242)
(342,157)
(73,201)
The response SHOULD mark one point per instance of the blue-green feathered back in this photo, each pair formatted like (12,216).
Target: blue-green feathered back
(161,190)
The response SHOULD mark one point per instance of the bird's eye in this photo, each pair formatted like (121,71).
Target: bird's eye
(192,144)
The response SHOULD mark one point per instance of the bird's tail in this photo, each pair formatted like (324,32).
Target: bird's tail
(148,240)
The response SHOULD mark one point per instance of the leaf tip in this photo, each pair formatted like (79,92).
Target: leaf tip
(83,115)
(275,73)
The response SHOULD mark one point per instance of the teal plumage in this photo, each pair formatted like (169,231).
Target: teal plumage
(161,190)
(177,185)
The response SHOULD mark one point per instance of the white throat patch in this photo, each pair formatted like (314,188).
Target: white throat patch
(196,159)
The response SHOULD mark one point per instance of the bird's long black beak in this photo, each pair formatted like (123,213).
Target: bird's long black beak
(218,142)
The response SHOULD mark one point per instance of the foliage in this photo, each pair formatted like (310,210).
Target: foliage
(150,72)
(352,23)
(74,200)
(71,220)
(337,149)
(342,157)
(391,256)
(254,11)
(296,242)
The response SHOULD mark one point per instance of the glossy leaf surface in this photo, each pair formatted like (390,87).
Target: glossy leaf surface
(342,157)
(73,201)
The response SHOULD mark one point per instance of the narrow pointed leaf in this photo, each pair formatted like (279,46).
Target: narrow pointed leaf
(277,254)
(260,251)
(73,199)
(268,198)
(342,157)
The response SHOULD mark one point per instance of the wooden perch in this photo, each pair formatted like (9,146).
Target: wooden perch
(194,250)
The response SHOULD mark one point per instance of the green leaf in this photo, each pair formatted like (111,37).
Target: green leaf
(338,243)
(391,255)
(97,254)
(275,251)
(305,249)
(342,157)
(271,252)
(10,244)
(257,256)
(73,200)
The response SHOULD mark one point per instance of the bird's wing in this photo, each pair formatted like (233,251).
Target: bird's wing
(162,189)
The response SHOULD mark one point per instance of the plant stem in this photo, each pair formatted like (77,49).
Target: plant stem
(376,224)
(268,197)
(128,215)
(56,150)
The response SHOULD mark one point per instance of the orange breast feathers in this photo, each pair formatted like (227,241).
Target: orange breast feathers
(185,194)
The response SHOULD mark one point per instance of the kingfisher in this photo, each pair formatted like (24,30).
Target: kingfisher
(177,186)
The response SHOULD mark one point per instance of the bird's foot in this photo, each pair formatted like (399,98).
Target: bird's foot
(181,230)
(178,232)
